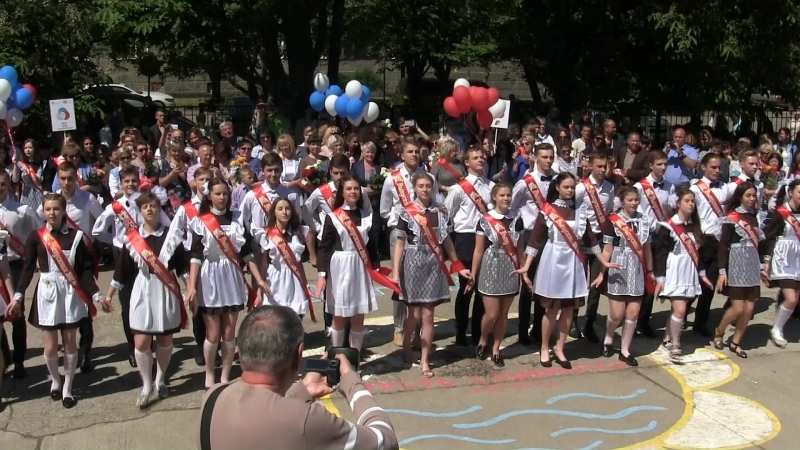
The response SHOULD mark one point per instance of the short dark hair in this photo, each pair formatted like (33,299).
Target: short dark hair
(147,198)
(66,166)
(129,171)
(269,339)
(271,159)
(340,161)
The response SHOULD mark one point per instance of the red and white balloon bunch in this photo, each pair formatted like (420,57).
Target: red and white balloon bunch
(485,101)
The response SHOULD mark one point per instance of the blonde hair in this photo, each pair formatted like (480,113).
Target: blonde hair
(332,139)
(328,133)
(447,146)
(322,130)
(285,139)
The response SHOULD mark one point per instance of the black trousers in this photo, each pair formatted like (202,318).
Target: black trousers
(19,329)
(199,331)
(125,306)
(593,300)
(709,261)
(526,298)
(465,246)
(646,309)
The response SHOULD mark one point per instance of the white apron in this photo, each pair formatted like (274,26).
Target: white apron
(56,300)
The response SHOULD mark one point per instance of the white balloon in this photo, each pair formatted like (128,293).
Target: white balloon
(3,110)
(353,89)
(371,112)
(329,104)
(321,82)
(356,121)
(498,109)
(5,89)
(14,117)
(461,82)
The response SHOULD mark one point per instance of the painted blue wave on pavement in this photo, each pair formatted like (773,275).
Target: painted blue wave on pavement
(558,398)
(456,438)
(555,412)
(412,412)
(650,427)
(591,446)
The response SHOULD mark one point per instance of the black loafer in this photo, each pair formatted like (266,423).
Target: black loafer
(68,402)
(498,360)
(55,395)
(607,351)
(564,363)
(132,361)
(548,363)
(480,352)
(629,360)
(199,359)
(590,334)
(87,366)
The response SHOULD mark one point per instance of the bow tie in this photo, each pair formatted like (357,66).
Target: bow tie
(716,184)
(658,185)
(751,180)
(546,178)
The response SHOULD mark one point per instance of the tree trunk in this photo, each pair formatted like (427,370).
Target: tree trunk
(530,77)
(335,41)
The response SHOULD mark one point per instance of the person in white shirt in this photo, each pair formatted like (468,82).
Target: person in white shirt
(20,221)
(254,215)
(584,142)
(711,197)
(466,202)
(657,202)
(522,200)
(597,194)
(83,210)
(396,184)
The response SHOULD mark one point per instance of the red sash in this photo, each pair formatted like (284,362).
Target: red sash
(276,237)
(752,233)
(262,198)
(228,249)
(14,242)
(327,194)
(400,187)
(790,219)
(60,260)
(88,243)
(426,230)
(37,183)
(533,188)
(190,209)
(158,269)
(505,239)
(710,198)
(361,249)
(594,199)
(635,244)
(473,195)
(652,198)
(565,230)
(452,171)
(124,216)
(688,243)
(739,181)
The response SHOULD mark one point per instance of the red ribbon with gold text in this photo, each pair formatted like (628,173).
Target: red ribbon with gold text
(710,198)
(505,239)
(450,169)
(290,259)
(652,198)
(361,249)
(89,245)
(473,195)
(190,209)
(14,242)
(533,188)
(790,219)
(594,199)
(426,230)
(157,268)
(60,260)
(752,234)
(401,188)
(636,245)
(124,216)
(688,243)
(228,249)
(37,183)
(565,230)
(263,200)
(327,194)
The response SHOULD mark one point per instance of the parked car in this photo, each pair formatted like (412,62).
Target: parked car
(160,99)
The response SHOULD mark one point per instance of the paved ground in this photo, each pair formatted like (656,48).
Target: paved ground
(712,401)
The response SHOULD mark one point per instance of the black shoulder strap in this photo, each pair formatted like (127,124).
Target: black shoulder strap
(205,419)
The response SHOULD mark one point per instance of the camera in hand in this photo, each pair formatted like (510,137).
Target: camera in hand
(330,367)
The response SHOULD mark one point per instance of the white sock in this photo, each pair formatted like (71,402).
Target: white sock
(783,316)
(627,336)
(675,325)
(163,355)
(52,368)
(611,328)
(210,353)
(228,351)
(70,364)
(337,337)
(144,359)
(357,339)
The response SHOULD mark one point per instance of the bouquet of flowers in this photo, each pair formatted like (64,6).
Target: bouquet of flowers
(376,182)
(770,176)
(95,177)
(313,176)
(236,165)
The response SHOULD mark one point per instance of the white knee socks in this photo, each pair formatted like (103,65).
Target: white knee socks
(611,328)
(163,355)
(675,325)
(781,318)
(210,353)
(70,364)
(357,339)
(52,367)
(627,336)
(228,351)
(144,359)
(337,337)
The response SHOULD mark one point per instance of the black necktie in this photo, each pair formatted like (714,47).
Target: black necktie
(658,185)
(546,178)
(716,184)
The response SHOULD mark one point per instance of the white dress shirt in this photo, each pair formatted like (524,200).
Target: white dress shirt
(20,220)
(253,215)
(710,223)
(389,198)
(83,208)
(605,192)
(315,209)
(109,229)
(522,200)
(462,210)
(180,222)
(731,188)
(665,191)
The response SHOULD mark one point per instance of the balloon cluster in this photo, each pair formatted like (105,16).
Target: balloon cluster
(14,97)
(486,102)
(352,104)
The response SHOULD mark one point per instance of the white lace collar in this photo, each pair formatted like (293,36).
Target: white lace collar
(64,229)
(347,207)
(158,233)
(218,212)
(496,214)
(564,203)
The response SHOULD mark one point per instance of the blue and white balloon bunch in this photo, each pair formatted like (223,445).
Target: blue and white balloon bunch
(354,103)
(14,97)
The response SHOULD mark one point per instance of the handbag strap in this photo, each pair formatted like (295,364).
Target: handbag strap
(205,419)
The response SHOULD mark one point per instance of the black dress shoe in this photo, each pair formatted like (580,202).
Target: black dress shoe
(647,331)
(132,361)
(200,359)
(68,402)
(461,339)
(480,352)
(536,335)
(55,395)
(701,330)
(629,360)
(607,351)
(548,363)
(575,332)
(498,360)
(564,363)
(87,366)
(590,334)
(19,371)
(525,340)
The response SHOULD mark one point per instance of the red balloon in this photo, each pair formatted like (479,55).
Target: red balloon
(451,107)
(463,99)
(485,119)
(494,96)
(32,89)
(480,99)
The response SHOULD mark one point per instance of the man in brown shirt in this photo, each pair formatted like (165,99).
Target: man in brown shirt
(268,409)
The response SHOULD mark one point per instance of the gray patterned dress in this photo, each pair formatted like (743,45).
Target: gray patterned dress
(422,280)
(626,283)
(494,278)
(739,258)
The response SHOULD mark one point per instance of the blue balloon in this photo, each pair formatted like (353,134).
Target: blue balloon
(16,86)
(12,101)
(10,74)
(341,106)
(317,101)
(354,108)
(334,90)
(24,98)
(366,95)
